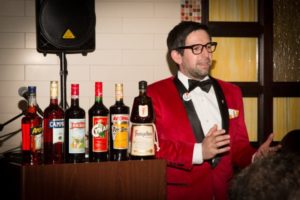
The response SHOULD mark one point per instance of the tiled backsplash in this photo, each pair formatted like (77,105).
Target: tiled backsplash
(130,46)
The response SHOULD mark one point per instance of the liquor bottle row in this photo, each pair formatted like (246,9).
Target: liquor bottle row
(113,134)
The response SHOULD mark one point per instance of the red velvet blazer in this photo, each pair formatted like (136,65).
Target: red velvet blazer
(176,140)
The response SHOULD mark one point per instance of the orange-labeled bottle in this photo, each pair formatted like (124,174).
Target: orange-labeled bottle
(32,132)
(119,127)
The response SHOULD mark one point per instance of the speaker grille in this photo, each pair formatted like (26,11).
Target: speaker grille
(65,25)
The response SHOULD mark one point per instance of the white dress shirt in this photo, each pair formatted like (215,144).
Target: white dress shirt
(207,109)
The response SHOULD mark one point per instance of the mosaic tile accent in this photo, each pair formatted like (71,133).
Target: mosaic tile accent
(190,10)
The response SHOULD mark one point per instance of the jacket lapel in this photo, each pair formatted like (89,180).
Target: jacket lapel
(224,115)
(193,118)
(191,112)
(222,104)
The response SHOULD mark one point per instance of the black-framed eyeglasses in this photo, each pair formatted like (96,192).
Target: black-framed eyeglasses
(198,48)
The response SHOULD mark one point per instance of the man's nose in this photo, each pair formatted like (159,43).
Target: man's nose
(205,53)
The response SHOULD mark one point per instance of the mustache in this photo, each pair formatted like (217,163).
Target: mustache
(205,62)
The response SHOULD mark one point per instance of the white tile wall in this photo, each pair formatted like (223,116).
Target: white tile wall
(11,73)
(11,8)
(130,46)
(12,40)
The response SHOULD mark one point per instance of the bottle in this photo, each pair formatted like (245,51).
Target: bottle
(98,128)
(142,126)
(32,132)
(119,127)
(53,128)
(75,129)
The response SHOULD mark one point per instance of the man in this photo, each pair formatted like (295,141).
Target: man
(201,133)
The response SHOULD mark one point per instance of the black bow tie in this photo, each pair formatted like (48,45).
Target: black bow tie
(204,85)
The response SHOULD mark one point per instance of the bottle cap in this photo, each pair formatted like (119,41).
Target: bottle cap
(119,91)
(119,87)
(142,84)
(32,89)
(98,89)
(75,89)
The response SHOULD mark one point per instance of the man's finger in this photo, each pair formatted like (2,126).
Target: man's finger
(223,150)
(269,140)
(222,136)
(275,148)
(212,129)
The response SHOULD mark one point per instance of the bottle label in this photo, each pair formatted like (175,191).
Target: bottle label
(25,137)
(100,134)
(120,124)
(57,126)
(36,138)
(143,137)
(76,136)
(143,110)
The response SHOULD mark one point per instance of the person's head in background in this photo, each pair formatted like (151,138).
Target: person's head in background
(274,177)
(291,142)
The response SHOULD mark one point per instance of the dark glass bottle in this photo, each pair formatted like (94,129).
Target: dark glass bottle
(142,128)
(32,132)
(53,128)
(98,128)
(119,127)
(75,129)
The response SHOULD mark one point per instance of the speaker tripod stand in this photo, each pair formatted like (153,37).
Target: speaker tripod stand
(63,27)
(63,80)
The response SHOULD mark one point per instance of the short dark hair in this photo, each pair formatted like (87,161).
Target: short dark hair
(273,177)
(291,142)
(179,33)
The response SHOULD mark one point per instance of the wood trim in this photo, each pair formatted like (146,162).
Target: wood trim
(250,89)
(265,105)
(235,29)
(286,89)
(265,89)
(204,11)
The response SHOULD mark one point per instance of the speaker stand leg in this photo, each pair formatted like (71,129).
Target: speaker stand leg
(63,80)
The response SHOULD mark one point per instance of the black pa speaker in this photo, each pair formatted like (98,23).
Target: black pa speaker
(65,26)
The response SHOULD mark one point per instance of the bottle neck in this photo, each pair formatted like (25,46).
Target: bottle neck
(119,96)
(54,92)
(74,95)
(32,105)
(54,101)
(74,100)
(142,92)
(119,93)
(98,99)
(119,101)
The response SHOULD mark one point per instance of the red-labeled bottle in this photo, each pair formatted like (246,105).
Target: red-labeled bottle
(75,129)
(32,132)
(98,128)
(53,128)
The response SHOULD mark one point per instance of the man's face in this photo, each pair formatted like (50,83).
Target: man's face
(196,66)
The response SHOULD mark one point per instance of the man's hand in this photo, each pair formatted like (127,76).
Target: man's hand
(265,149)
(215,142)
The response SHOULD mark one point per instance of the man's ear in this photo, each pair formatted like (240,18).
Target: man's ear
(176,56)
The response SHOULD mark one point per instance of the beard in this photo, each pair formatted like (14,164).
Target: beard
(201,69)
